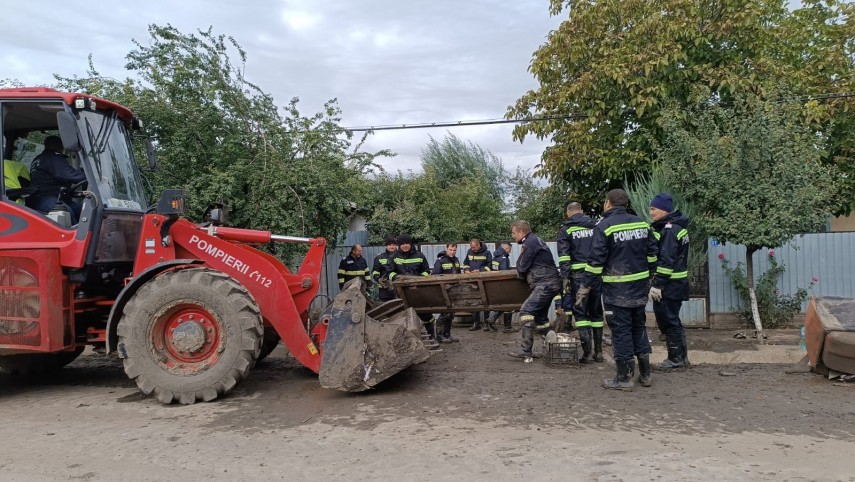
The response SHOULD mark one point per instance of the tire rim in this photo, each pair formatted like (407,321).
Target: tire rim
(186,339)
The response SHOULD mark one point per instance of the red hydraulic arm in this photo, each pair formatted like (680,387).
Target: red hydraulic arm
(283,297)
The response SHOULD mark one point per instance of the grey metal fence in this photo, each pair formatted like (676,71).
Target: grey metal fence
(824,256)
(827,257)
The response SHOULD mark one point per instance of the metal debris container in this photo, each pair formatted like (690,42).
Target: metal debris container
(560,350)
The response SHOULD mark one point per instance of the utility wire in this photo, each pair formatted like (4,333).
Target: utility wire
(484,122)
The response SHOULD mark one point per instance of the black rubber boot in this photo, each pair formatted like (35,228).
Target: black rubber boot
(526,343)
(507,320)
(675,356)
(598,344)
(430,326)
(446,332)
(476,325)
(490,322)
(685,352)
(623,379)
(586,340)
(645,378)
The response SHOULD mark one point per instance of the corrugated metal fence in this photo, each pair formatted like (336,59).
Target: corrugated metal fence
(824,256)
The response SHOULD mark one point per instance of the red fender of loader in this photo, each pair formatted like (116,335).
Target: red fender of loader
(283,297)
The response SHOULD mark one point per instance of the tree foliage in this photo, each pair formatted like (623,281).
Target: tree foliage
(754,170)
(544,207)
(642,191)
(620,64)
(222,138)
(459,194)
(454,161)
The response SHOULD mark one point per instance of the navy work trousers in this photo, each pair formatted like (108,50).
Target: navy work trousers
(629,336)
(668,318)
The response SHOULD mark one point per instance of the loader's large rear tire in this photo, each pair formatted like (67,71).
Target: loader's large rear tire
(268,343)
(190,335)
(36,363)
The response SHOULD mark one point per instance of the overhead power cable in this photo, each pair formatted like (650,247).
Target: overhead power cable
(484,122)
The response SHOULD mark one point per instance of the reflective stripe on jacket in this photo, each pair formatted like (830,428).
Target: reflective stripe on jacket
(672,267)
(479,259)
(623,253)
(411,263)
(574,243)
(351,267)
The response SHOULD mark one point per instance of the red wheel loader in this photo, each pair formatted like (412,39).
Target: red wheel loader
(189,308)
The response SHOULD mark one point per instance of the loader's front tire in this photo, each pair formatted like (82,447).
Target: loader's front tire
(190,335)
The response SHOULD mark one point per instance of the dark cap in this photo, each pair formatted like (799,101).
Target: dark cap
(663,201)
(404,238)
(390,240)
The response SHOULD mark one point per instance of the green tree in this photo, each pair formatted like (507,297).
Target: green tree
(454,161)
(754,170)
(543,207)
(619,64)
(222,138)
(459,194)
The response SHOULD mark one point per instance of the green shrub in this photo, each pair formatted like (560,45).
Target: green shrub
(776,309)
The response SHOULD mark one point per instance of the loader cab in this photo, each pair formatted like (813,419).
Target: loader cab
(96,137)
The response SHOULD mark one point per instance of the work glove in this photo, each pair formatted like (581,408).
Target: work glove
(582,295)
(565,285)
(386,283)
(655,294)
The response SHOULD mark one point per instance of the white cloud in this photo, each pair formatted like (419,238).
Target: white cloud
(300,20)
(386,61)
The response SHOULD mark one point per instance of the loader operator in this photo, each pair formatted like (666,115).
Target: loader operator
(538,266)
(408,261)
(353,266)
(574,243)
(478,259)
(623,251)
(379,272)
(50,173)
(446,263)
(670,283)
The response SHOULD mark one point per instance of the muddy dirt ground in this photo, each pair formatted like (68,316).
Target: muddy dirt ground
(469,413)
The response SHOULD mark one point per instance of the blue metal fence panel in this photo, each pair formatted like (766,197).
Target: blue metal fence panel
(825,257)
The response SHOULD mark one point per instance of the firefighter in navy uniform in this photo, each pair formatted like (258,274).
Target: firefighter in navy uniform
(354,266)
(408,261)
(574,244)
(670,281)
(478,258)
(623,253)
(538,266)
(501,262)
(379,271)
(446,263)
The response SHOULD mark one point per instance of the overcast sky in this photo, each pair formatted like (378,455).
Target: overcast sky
(387,62)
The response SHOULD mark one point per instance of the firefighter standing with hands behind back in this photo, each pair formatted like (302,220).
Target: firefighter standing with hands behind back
(623,251)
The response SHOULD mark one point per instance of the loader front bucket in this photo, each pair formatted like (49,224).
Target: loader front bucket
(359,351)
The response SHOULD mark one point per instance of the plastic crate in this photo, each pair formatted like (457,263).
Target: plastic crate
(561,353)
